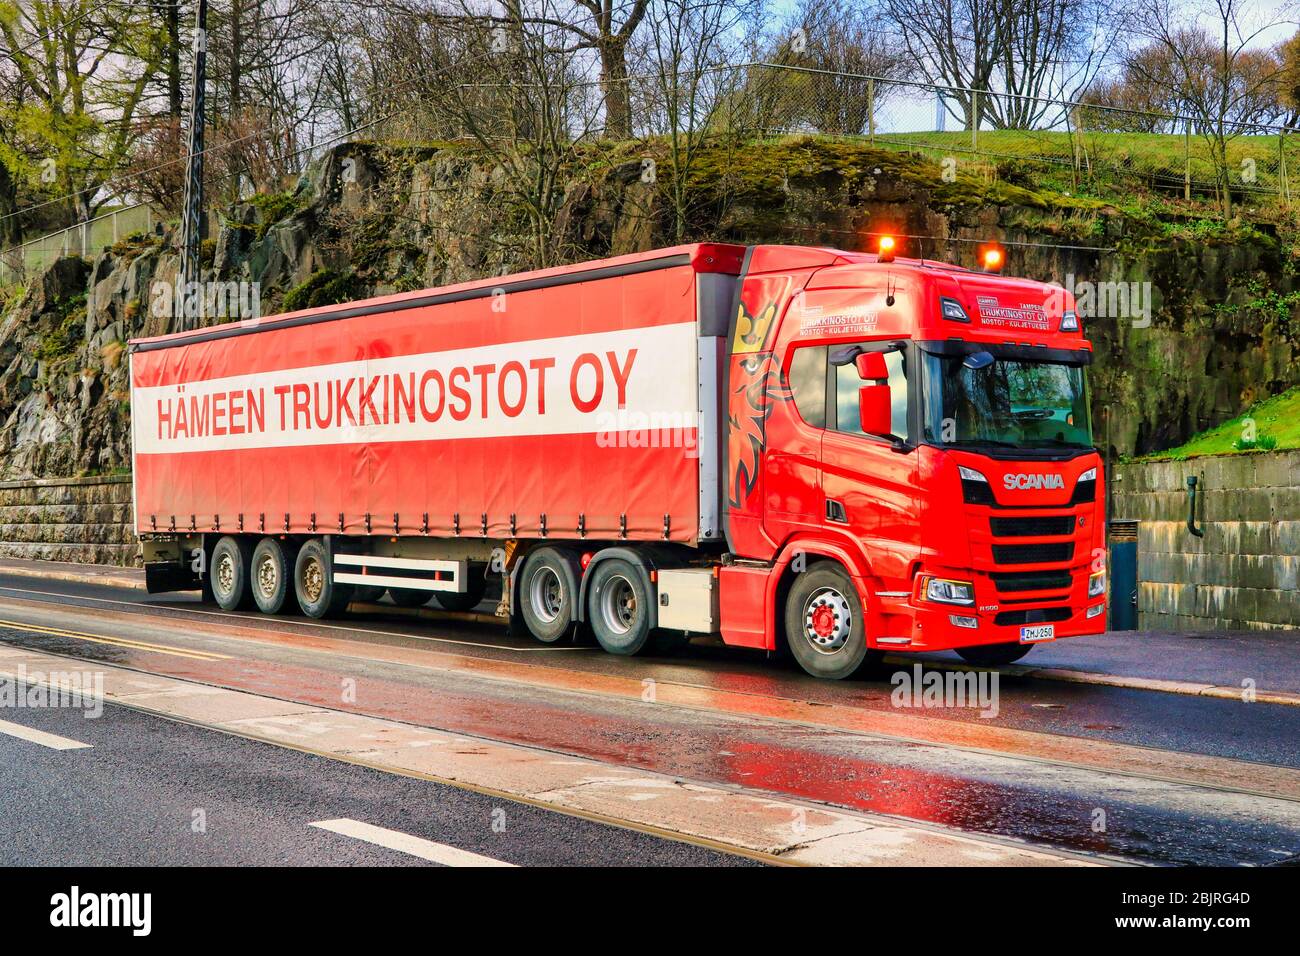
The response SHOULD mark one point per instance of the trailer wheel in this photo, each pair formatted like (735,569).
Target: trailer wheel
(471,597)
(408,597)
(228,573)
(824,625)
(271,578)
(367,593)
(313,582)
(618,608)
(991,655)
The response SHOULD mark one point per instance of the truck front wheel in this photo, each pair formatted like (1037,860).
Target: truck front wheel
(824,624)
(618,608)
(313,582)
(228,573)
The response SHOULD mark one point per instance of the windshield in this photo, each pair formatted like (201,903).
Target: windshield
(1010,401)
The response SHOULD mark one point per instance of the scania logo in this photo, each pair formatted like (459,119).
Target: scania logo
(1023,482)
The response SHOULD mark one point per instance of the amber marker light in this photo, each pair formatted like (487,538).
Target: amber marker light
(992,257)
(885,248)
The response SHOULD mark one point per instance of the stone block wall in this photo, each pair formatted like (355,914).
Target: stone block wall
(1244,572)
(86,520)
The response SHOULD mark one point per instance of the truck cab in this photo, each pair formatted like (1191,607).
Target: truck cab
(910,452)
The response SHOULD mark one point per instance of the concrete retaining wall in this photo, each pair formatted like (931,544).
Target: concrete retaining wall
(1243,572)
(86,520)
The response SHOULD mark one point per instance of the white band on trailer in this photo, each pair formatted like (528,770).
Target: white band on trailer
(456,583)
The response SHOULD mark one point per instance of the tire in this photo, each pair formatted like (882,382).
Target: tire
(825,628)
(271,576)
(408,597)
(313,582)
(367,593)
(992,655)
(547,599)
(618,607)
(472,597)
(228,574)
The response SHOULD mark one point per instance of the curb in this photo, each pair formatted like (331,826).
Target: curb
(1186,688)
(115,577)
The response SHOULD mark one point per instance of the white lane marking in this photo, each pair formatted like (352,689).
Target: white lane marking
(405,843)
(53,741)
(234,616)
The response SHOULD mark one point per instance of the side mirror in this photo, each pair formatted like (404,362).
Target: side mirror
(871,366)
(875,410)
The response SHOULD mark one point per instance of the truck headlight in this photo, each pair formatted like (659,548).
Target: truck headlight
(946,591)
(1096,584)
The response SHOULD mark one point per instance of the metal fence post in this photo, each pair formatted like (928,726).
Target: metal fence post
(1283,182)
(975,121)
(871,110)
(1187,160)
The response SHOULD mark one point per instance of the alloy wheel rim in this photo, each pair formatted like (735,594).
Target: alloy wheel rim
(828,621)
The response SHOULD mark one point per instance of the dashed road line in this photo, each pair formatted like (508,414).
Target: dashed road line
(31,735)
(405,843)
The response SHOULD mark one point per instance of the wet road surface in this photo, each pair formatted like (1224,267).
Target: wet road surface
(1150,777)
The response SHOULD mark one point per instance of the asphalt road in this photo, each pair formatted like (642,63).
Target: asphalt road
(151,791)
(719,716)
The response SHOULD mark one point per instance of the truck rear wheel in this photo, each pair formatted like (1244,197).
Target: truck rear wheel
(991,655)
(271,579)
(228,573)
(618,607)
(825,628)
(547,595)
(313,582)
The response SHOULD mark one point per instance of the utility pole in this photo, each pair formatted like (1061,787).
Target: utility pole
(192,214)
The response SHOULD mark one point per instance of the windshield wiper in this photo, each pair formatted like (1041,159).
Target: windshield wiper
(1056,442)
(976,442)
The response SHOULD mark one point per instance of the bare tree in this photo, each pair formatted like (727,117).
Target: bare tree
(688,45)
(1210,67)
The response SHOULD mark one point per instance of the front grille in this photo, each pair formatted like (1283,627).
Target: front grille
(1031,581)
(1037,615)
(1032,553)
(1029,527)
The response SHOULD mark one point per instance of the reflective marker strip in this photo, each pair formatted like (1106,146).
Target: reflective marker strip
(53,741)
(405,843)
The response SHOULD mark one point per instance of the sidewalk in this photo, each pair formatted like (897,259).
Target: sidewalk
(1197,663)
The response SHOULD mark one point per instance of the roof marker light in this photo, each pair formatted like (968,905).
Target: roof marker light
(1070,322)
(885,247)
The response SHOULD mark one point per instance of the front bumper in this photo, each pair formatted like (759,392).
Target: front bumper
(906,624)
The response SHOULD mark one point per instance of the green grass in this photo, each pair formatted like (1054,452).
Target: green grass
(1158,158)
(1277,419)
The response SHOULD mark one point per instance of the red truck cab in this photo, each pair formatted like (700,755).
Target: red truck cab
(910,464)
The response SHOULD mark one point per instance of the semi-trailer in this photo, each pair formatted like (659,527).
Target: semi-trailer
(835,453)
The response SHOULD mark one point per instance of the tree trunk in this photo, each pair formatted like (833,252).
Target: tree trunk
(613,83)
(11,224)
(172,28)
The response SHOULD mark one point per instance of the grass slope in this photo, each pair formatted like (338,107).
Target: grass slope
(1277,417)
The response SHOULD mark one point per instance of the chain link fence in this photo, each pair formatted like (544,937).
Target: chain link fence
(1060,144)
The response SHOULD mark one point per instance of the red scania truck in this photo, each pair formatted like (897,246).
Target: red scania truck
(840,453)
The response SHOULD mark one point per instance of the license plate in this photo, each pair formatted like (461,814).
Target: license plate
(1037,632)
